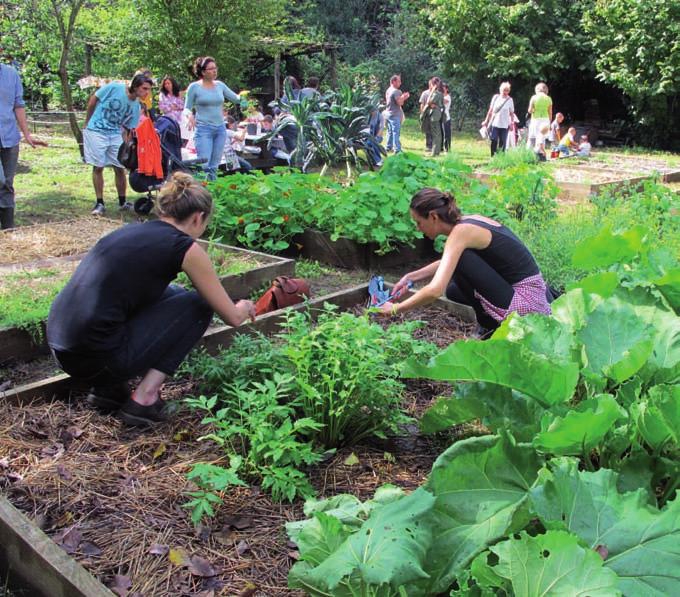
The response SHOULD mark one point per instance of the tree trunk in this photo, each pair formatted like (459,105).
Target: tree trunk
(66,35)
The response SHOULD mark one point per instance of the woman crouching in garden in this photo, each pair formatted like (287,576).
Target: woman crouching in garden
(484,265)
(119,317)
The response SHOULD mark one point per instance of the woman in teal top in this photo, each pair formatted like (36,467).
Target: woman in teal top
(205,98)
(540,108)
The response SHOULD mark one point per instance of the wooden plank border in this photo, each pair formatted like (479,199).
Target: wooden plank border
(62,385)
(32,559)
(16,343)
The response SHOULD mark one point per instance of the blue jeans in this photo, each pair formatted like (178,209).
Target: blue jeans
(393,133)
(209,141)
(373,151)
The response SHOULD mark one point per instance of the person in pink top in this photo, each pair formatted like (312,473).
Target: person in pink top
(170,101)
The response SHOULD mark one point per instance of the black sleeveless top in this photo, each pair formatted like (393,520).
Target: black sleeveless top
(506,253)
(122,274)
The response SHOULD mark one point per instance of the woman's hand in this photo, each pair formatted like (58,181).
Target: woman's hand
(402,285)
(387,309)
(191,122)
(247,308)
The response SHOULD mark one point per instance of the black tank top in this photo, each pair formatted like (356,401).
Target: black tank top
(123,273)
(506,253)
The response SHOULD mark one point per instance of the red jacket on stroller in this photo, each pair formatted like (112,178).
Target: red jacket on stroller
(149,150)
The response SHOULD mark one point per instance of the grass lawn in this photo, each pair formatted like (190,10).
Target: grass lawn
(53,183)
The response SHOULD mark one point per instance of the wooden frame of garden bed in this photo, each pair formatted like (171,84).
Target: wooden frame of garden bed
(579,190)
(16,343)
(30,556)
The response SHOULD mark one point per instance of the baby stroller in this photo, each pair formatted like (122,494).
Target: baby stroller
(171,160)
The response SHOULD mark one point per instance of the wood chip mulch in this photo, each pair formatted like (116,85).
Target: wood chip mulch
(112,496)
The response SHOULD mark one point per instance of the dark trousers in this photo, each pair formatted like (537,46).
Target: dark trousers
(474,274)
(9,159)
(447,135)
(158,337)
(289,135)
(499,138)
(428,138)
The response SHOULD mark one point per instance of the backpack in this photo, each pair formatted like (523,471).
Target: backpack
(284,292)
(127,153)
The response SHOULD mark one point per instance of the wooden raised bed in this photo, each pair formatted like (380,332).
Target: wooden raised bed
(573,190)
(349,254)
(16,343)
(33,559)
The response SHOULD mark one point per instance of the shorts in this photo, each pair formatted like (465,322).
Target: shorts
(101,149)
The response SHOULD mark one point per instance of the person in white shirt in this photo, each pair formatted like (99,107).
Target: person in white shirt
(447,119)
(584,147)
(498,118)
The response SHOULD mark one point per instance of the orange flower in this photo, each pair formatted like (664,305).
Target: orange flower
(286,218)
(205,183)
(233,187)
(241,221)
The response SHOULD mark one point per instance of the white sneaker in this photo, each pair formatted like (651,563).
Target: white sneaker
(99,209)
(127,206)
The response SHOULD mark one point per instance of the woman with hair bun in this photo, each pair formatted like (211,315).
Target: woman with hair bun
(484,265)
(206,97)
(120,317)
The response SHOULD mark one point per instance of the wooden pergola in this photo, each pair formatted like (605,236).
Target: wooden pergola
(276,48)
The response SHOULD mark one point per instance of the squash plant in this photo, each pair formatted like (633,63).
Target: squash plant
(265,212)
(574,490)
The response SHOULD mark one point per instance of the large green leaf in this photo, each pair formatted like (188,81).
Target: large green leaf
(481,485)
(663,366)
(496,406)
(642,543)
(572,308)
(550,565)
(657,416)
(580,429)
(602,283)
(607,248)
(505,363)
(389,549)
(617,343)
(669,285)
(543,335)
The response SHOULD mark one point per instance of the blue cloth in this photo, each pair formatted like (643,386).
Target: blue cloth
(114,110)
(394,133)
(11,97)
(208,103)
(209,141)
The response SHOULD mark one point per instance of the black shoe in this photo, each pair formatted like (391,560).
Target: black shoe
(108,398)
(138,415)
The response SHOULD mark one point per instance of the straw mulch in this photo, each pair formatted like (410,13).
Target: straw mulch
(55,239)
(112,496)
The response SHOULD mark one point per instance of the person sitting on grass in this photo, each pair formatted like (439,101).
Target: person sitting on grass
(568,143)
(584,147)
(484,265)
(120,317)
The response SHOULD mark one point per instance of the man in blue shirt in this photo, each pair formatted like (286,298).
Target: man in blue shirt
(113,110)
(12,113)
